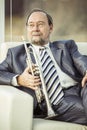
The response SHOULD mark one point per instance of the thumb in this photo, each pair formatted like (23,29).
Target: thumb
(27,69)
(83,82)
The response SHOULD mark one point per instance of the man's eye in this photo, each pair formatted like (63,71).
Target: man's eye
(40,25)
(30,25)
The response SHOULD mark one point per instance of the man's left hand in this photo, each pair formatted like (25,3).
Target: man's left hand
(84,80)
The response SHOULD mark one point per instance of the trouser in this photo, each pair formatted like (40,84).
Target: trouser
(84,98)
(73,107)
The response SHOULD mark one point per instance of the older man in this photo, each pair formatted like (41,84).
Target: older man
(63,70)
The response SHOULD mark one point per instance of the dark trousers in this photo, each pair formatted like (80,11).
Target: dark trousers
(73,107)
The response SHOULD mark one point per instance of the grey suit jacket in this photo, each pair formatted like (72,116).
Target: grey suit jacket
(65,53)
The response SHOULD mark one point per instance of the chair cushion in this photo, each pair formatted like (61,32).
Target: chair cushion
(41,124)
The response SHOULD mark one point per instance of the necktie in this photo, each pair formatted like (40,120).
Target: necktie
(51,78)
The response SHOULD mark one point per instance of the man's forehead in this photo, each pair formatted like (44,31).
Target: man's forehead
(37,15)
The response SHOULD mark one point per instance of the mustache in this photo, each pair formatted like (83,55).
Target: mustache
(39,42)
(36,33)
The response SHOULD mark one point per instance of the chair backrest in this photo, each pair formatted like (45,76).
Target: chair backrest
(4,48)
(82,46)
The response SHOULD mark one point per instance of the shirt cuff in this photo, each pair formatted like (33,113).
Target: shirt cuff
(14,81)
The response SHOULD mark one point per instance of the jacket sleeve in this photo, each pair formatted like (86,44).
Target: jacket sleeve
(80,61)
(6,73)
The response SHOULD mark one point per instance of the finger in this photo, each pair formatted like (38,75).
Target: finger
(83,82)
(33,78)
(27,69)
(35,83)
(33,86)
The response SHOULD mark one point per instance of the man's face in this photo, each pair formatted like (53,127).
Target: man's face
(38,29)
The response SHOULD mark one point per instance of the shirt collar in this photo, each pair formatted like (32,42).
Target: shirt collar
(40,47)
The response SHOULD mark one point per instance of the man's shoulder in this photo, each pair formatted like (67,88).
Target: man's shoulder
(19,47)
(63,43)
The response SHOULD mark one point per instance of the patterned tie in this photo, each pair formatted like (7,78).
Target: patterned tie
(51,78)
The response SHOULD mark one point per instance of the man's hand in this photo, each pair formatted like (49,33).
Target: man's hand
(26,79)
(84,80)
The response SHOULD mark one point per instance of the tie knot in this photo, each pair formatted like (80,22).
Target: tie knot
(42,48)
(42,51)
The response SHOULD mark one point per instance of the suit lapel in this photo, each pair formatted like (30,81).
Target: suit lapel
(57,53)
(61,59)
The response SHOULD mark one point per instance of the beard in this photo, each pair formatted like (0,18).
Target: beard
(39,42)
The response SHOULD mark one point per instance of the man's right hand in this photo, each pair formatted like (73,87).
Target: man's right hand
(26,79)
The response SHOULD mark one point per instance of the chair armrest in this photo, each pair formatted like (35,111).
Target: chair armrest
(16,109)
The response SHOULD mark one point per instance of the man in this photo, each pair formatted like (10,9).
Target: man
(70,69)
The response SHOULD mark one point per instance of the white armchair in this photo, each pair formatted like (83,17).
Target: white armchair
(16,107)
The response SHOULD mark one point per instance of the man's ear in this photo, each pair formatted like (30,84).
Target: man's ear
(51,28)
